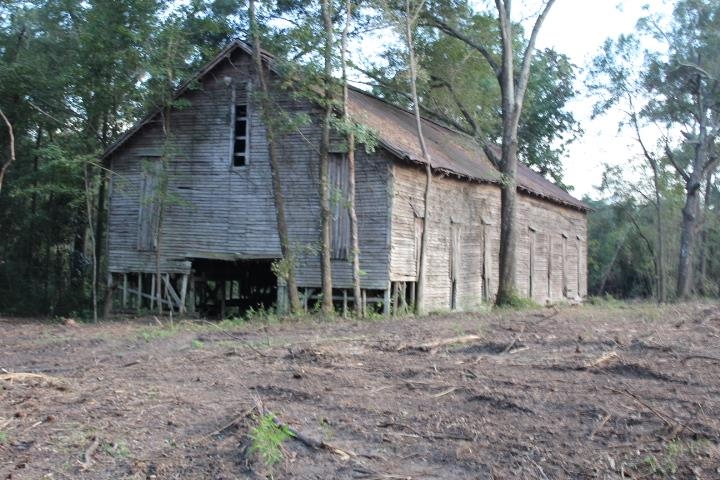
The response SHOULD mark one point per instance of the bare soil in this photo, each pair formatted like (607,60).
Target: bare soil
(616,391)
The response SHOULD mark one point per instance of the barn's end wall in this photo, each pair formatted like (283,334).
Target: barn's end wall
(464,240)
(215,210)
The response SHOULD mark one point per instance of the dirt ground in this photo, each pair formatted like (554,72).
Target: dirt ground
(611,391)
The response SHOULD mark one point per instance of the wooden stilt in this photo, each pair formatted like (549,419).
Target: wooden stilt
(395,298)
(403,297)
(413,286)
(125,291)
(222,299)
(138,300)
(191,294)
(386,301)
(345,303)
(153,284)
(306,299)
(183,293)
(364,303)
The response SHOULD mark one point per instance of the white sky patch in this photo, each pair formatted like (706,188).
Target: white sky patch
(578,28)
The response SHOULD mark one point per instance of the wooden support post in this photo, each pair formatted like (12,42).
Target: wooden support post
(153,284)
(125,291)
(183,293)
(413,286)
(138,302)
(395,299)
(403,297)
(306,299)
(222,299)
(282,296)
(345,303)
(364,303)
(386,301)
(191,294)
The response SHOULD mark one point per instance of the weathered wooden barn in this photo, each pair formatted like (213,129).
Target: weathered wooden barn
(218,233)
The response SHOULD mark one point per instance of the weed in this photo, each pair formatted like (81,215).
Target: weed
(3,437)
(197,344)
(267,438)
(607,301)
(117,449)
(518,302)
(155,333)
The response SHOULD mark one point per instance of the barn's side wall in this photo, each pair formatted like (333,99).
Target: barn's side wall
(474,209)
(215,210)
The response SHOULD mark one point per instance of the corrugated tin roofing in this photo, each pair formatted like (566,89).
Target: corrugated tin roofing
(451,152)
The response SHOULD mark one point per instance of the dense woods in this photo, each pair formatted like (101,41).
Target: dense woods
(75,75)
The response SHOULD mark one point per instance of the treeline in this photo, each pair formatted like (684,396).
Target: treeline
(657,232)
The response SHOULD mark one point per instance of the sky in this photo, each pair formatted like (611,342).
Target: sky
(578,28)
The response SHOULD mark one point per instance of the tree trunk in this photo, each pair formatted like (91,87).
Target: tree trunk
(687,239)
(325,213)
(285,247)
(424,238)
(704,238)
(350,137)
(660,228)
(4,166)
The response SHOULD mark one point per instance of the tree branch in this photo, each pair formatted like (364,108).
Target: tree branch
(673,160)
(5,165)
(452,32)
(527,57)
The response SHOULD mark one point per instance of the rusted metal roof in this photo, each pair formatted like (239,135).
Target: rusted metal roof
(451,152)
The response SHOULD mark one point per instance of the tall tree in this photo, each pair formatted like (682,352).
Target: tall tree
(616,83)
(513,83)
(269,121)
(677,91)
(350,138)
(327,105)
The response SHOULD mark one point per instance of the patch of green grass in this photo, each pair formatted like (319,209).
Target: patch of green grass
(3,437)
(607,301)
(267,438)
(155,333)
(518,302)
(197,344)
(117,449)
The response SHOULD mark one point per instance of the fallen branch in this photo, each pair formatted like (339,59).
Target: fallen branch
(426,347)
(604,358)
(302,438)
(58,383)
(667,419)
(599,426)
(700,357)
(87,456)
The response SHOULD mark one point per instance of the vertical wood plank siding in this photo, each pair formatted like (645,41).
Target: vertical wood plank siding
(476,208)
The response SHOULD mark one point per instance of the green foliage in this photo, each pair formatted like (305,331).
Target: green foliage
(517,302)
(457,86)
(267,438)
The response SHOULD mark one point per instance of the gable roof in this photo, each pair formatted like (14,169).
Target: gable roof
(451,152)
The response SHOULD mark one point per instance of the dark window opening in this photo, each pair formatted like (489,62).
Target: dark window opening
(240,136)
